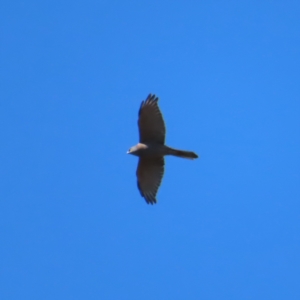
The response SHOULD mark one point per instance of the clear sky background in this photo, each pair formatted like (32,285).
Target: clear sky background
(72,222)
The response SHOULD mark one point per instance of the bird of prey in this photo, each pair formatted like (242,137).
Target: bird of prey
(151,149)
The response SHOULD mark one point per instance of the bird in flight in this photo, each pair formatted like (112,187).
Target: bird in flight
(151,149)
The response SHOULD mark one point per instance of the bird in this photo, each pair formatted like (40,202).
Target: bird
(151,149)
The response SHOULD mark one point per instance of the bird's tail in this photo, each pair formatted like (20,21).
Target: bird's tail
(182,153)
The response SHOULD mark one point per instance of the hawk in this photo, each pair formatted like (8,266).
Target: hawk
(151,149)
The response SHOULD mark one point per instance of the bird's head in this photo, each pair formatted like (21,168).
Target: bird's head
(137,149)
(132,150)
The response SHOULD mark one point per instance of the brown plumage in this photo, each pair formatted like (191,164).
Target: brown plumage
(151,149)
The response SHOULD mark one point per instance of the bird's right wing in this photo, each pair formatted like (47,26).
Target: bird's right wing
(149,175)
(151,124)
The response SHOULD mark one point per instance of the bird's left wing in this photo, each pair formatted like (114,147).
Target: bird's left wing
(149,175)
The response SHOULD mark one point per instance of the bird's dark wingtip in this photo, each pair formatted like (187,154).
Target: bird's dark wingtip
(150,99)
(150,201)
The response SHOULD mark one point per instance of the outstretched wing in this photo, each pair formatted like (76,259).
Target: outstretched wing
(151,124)
(149,175)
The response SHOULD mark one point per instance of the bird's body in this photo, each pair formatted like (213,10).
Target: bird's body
(157,150)
(147,150)
(151,149)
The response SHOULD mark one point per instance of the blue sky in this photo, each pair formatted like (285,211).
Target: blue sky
(72,223)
